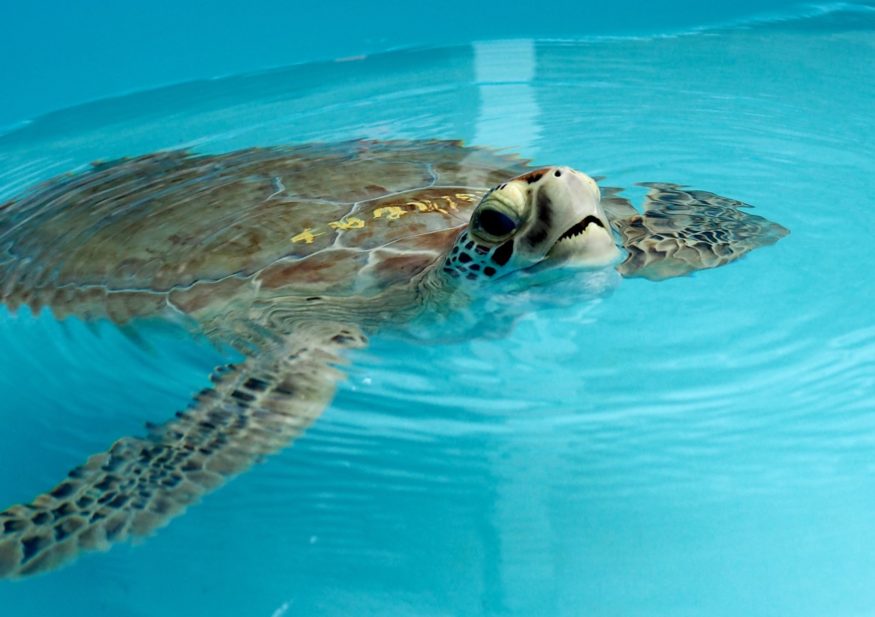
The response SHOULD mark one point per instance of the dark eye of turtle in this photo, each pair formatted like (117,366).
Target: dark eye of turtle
(495,223)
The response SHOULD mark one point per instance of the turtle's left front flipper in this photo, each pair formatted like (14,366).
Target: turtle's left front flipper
(140,483)
(684,230)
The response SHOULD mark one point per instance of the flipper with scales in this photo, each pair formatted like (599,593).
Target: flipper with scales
(253,409)
(682,230)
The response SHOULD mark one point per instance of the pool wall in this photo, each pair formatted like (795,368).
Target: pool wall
(55,54)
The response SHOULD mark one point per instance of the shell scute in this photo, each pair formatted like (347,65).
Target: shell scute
(389,267)
(333,271)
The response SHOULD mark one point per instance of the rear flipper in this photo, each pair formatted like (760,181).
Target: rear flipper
(139,484)
(684,230)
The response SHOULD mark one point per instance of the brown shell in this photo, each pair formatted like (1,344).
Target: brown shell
(134,236)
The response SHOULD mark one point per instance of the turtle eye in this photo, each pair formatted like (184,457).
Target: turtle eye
(495,223)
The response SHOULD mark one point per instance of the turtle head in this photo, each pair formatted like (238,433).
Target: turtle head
(551,215)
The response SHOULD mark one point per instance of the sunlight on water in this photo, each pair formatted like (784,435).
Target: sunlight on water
(703,445)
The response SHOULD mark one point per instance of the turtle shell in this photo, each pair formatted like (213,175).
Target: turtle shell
(179,230)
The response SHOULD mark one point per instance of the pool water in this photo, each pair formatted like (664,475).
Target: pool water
(699,446)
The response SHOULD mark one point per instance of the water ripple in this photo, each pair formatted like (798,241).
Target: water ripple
(664,427)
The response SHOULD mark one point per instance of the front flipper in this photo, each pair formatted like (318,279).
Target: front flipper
(139,484)
(684,230)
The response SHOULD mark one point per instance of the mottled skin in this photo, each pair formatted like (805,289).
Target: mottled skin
(293,255)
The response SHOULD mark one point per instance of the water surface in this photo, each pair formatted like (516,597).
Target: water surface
(699,446)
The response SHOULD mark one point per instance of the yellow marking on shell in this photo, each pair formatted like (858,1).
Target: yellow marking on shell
(389,213)
(307,236)
(451,204)
(427,205)
(346,224)
(392,212)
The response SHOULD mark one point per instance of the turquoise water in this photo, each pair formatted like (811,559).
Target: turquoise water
(699,446)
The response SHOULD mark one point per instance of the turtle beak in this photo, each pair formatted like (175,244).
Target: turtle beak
(588,241)
(580,228)
(587,244)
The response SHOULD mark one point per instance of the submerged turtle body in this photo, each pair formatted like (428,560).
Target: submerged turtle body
(294,255)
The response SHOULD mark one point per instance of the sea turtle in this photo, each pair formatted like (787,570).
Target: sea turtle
(294,255)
